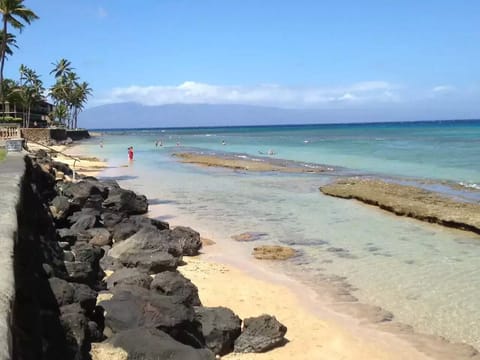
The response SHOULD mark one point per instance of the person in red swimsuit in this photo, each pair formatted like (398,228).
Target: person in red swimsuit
(130,153)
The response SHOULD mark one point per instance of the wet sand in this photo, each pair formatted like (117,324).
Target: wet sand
(310,336)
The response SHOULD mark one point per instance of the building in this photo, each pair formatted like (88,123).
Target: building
(39,113)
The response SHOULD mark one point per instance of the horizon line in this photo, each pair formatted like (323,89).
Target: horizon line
(292,125)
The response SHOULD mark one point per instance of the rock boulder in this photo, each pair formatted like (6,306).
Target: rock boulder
(173,283)
(149,344)
(260,334)
(126,201)
(220,328)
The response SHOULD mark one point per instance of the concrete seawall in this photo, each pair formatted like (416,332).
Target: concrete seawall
(49,135)
(11,172)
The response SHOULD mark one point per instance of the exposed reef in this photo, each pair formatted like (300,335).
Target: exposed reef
(260,164)
(411,201)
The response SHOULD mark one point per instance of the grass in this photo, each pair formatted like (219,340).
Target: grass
(3,154)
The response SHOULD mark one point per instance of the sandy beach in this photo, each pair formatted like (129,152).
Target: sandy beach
(315,330)
(72,155)
(310,336)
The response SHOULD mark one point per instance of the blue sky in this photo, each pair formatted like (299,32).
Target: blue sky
(408,56)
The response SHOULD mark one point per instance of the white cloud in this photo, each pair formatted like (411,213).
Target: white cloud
(191,92)
(443,89)
(102,12)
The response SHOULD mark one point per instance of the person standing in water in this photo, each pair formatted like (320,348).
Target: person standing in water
(130,153)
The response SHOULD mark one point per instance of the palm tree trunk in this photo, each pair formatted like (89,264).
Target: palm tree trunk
(70,112)
(28,116)
(2,55)
(75,114)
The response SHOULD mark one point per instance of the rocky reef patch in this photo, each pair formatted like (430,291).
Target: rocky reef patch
(411,201)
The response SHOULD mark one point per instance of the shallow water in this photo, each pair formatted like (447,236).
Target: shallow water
(427,275)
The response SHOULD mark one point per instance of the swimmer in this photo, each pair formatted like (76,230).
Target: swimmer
(223,142)
(271,152)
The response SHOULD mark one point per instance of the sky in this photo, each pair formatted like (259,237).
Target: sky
(410,56)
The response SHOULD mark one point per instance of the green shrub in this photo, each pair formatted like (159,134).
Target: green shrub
(10,119)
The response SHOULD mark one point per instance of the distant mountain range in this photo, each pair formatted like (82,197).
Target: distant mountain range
(134,115)
(128,115)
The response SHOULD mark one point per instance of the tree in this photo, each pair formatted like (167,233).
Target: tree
(61,93)
(68,93)
(61,68)
(59,114)
(10,42)
(79,98)
(12,95)
(14,13)
(31,91)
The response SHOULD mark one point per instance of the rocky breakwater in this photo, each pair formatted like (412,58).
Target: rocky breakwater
(71,234)
(411,201)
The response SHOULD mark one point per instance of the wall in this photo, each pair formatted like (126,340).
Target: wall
(44,135)
(11,171)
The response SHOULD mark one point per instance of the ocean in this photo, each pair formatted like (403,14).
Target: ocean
(427,275)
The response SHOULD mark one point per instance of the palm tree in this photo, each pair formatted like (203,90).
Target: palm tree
(16,14)
(12,95)
(61,93)
(11,41)
(31,91)
(59,113)
(80,95)
(61,68)
(68,94)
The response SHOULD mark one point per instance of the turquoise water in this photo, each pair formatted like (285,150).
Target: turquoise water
(427,275)
(441,150)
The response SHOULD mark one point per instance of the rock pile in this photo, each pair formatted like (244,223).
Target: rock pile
(71,233)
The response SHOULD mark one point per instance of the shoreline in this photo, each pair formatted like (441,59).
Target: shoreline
(251,288)
(351,323)
(313,336)
(86,165)
(377,344)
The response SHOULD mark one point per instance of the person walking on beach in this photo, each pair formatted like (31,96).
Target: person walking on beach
(130,153)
